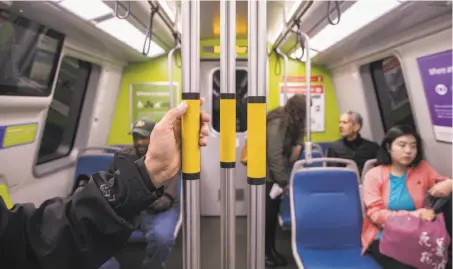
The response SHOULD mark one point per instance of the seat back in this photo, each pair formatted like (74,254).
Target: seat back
(314,154)
(325,206)
(368,166)
(316,149)
(284,217)
(90,163)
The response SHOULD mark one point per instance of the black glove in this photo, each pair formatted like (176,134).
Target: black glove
(162,204)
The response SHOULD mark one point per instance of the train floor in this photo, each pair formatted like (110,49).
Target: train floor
(132,255)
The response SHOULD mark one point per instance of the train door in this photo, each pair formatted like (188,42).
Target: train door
(210,168)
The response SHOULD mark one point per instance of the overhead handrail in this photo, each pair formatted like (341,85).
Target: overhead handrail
(176,38)
(149,32)
(337,9)
(178,64)
(285,73)
(293,21)
(164,16)
(128,10)
(299,41)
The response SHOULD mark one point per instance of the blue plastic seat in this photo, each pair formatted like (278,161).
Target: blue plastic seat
(327,218)
(284,217)
(92,163)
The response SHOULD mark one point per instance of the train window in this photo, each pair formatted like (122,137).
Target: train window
(29,54)
(241,100)
(391,93)
(64,111)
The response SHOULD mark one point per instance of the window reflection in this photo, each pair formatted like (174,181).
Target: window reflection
(241,100)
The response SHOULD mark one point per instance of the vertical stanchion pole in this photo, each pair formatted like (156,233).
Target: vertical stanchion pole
(285,74)
(256,129)
(190,125)
(308,145)
(173,102)
(228,133)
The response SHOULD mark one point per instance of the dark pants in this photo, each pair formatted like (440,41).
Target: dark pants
(272,208)
(384,261)
(159,233)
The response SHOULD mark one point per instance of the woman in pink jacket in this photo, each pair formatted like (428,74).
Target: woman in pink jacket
(397,186)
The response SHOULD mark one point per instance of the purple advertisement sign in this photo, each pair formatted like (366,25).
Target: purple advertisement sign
(436,72)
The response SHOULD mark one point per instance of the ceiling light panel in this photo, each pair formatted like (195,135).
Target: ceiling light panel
(353,19)
(129,34)
(87,10)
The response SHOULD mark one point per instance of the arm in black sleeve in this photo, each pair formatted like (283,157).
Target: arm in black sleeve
(112,168)
(83,230)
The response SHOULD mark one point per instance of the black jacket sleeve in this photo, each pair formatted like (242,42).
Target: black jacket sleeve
(81,231)
(112,168)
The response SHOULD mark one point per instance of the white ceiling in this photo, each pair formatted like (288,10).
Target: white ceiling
(407,17)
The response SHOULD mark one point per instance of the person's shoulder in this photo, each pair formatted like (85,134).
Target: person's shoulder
(370,143)
(276,113)
(423,166)
(375,173)
(275,117)
(335,144)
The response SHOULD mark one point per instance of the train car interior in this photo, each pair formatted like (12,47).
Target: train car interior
(71,92)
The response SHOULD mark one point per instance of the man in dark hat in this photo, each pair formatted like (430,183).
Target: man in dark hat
(160,220)
(140,132)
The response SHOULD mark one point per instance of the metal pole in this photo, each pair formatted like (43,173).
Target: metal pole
(256,129)
(306,40)
(170,75)
(190,125)
(285,73)
(228,133)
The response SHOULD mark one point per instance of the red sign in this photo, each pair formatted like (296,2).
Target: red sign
(301,89)
(302,78)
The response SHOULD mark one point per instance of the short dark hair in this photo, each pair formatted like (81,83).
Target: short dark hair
(383,155)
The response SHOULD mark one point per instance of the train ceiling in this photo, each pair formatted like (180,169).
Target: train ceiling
(96,22)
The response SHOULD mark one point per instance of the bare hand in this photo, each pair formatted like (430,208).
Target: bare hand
(163,158)
(285,190)
(425,214)
(295,154)
(442,188)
